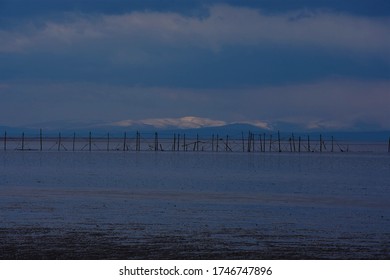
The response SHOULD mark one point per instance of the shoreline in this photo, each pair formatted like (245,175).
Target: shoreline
(39,243)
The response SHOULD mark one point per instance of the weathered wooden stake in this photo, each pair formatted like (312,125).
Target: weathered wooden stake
(249,141)
(74,140)
(197,142)
(137,140)
(108,142)
(59,141)
(293,141)
(212,143)
(22,141)
(260,144)
(308,143)
(388,148)
(184,140)
(124,141)
(270,142)
(178,142)
(243,144)
(264,142)
(253,142)
(90,141)
(5,140)
(138,144)
(332,144)
(155,141)
(280,150)
(40,139)
(320,143)
(299,144)
(227,143)
(217,142)
(174,142)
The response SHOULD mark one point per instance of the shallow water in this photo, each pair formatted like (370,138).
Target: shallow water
(194,205)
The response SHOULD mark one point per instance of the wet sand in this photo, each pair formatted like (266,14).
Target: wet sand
(176,206)
(234,243)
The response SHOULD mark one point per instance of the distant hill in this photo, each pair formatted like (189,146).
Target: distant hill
(191,126)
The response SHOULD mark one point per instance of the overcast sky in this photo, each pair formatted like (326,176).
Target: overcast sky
(316,63)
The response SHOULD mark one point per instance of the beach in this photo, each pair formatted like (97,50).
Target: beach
(186,205)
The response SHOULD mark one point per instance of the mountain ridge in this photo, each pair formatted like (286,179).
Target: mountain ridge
(193,126)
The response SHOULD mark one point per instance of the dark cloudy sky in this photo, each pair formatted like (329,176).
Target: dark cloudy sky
(317,63)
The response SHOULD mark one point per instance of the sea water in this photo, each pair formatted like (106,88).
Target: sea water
(247,205)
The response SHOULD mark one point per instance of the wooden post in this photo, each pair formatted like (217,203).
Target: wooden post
(5,140)
(138,141)
(59,141)
(250,136)
(280,150)
(293,141)
(178,142)
(320,143)
(217,142)
(74,140)
(253,142)
(174,142)
(108,142)
(308,143)
(197,142)
(184,140)
(332,144)
(155,141)
(299,144)
(243,144)
(264,142)
(270,142)
(90,141)
(124,141)
(388,147)
(227,143)
(40,139)
(157,145)
(260,144)
(248,142)
(212,143)
(22,141)
(289,140)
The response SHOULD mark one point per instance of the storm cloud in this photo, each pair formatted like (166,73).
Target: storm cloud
(320,67)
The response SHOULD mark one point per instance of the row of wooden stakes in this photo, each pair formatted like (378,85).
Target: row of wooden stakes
(179,142)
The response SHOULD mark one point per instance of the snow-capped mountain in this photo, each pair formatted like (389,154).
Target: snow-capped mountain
(189,124)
